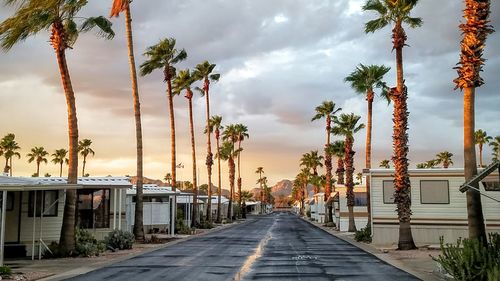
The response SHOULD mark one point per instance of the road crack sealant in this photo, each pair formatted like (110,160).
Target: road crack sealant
(247,265)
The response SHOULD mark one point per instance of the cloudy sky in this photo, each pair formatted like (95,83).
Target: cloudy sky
(278,60)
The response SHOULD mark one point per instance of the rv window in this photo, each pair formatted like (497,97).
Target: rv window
(488,186)
(360,199)
(434,192)
(48,197)
(10,201)
(388,190)
(93,208)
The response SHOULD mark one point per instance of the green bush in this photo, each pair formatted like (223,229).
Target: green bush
(119,239)
(180,226)
(364,235)
(86,245)
(469,259)
(54,251)
(308,213)
(5,271)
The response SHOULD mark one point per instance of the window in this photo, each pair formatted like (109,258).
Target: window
(10,201)
(46,202)
(488,185)
(434,192)
(388,190)
(93,208)
(360,199)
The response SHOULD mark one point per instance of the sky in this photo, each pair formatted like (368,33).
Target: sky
(278,60)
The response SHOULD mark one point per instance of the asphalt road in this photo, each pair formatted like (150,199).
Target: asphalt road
(275,247)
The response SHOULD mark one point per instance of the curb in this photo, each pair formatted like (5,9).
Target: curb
(83,270)
(370,250)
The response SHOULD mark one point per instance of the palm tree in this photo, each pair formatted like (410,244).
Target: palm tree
(164,56)
(338,149)
(31,17)
(364,80)
(118,7)
(59,157)
(481,138)
(227,153)
(9,148)
(421,165)
(397,12)
(347,125)
(301,180)
(85,151)
(37,154)
(444,158)
(214,126)
(475,31)
(429,164)
(260,171)
(168,179)
(312,161)
(242,132)
(495,147)
(385,164)
(327,110)
(183,81)
(203,72)
(231,134)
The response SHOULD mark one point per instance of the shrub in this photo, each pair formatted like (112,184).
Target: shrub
(469,259)
(5,271)
(86,245)
(364,235)
(119,239)
(180,226)
(308,213)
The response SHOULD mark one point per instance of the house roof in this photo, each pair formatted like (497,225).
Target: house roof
(154,189)
(27,184)
(92,181)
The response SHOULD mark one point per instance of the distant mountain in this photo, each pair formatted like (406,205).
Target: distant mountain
(145,180)
(284,189)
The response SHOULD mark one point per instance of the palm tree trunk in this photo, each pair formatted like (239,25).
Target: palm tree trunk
(10,167)
(60,169)
(37,169)
(474,206)
(219,188)
(328,172)
(196,217)
(231,189)
(67,237)
(481,155)
(239,181)
(209,160)
(349,183)
(340,170)
(138,216)
(400,144)
(83,166)
(6,168)
(173,209)
(368,156)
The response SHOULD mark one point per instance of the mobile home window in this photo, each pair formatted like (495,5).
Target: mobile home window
(93,208)
(488,185)
(360,199)
(46,202)
(388,190)
(10,201)
(434,192)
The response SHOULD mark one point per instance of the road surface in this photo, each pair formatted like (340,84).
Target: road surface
(279,246)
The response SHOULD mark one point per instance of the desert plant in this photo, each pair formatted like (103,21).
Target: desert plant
(5,271)
(469,259)
(119,239)
(364,235)
(86,245)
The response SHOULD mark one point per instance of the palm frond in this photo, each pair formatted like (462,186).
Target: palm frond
(375,25)
(413,22)
(102,24)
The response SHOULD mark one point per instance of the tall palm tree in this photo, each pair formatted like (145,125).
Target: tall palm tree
(214,126)
(183,81)
(242,134)
(227,153)
(364,80)
(347,125)
(338,149)
(327,110)
(85,151)
(164,56)
(397,12)
(444,158)
(495,147)
(230,134)
(9,148)
(118,7)
(31,17)
(37,154)
(301,180)
(59,158)
(481,138)
(475,31)
(203,72)
(260,171)
(385,164)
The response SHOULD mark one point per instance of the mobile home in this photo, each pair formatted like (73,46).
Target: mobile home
(438,207)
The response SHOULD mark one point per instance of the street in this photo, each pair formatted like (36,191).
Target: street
(279,246)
